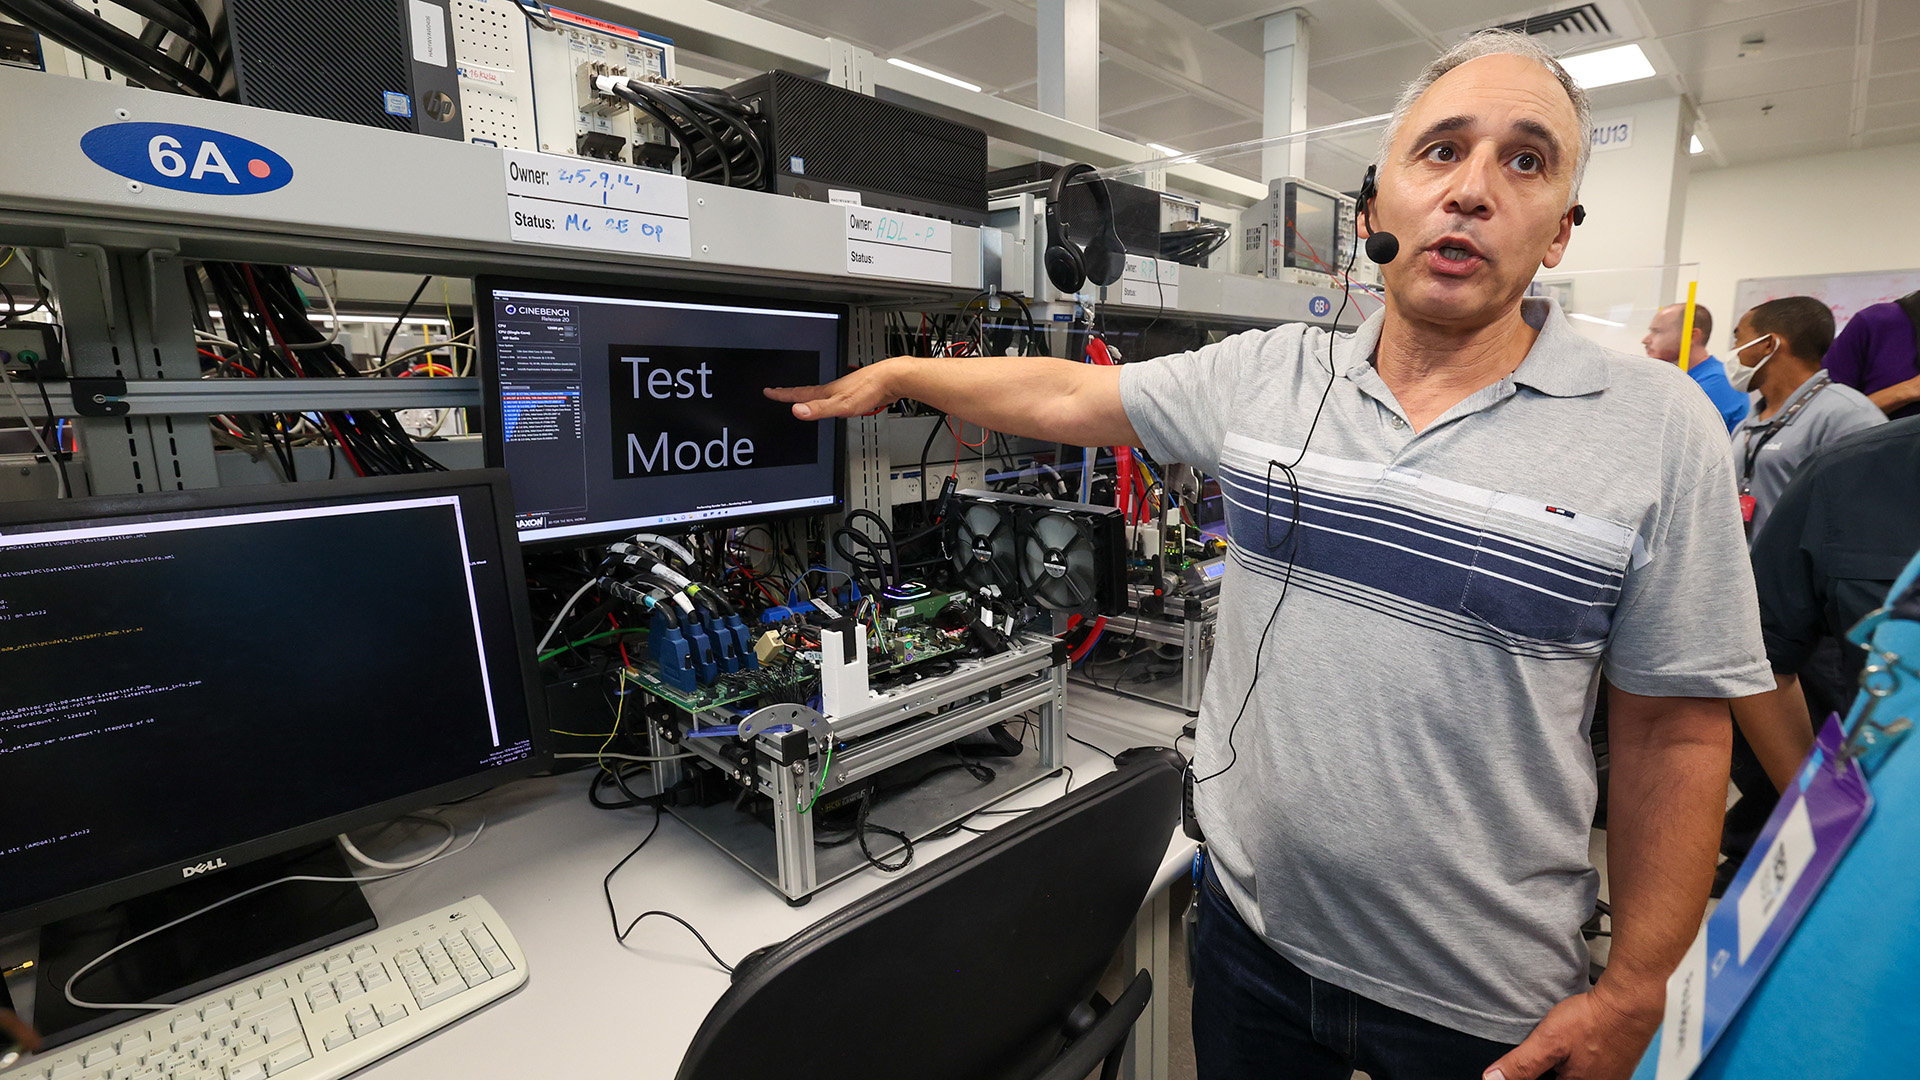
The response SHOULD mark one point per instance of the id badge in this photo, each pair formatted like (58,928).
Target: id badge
(1746,509)
(1817,819)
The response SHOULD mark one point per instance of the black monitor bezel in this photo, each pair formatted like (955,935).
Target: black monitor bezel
(493,437)
(344,490)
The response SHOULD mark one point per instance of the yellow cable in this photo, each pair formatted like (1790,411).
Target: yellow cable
(1686,329)
(618,712)
(8,259)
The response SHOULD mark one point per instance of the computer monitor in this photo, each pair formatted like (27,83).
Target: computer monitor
(191,681)
(619,409)
(1313,229)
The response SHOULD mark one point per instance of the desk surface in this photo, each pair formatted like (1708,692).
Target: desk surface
(592,1007)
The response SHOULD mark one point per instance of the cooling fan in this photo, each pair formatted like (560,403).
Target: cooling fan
(1064,556)
(983,543)
(1070,559)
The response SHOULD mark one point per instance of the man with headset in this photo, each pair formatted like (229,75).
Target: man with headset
(1444,526)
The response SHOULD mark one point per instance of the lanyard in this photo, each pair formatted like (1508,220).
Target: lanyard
(1775,426)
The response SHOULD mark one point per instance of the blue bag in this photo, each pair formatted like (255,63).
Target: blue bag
(1842,999)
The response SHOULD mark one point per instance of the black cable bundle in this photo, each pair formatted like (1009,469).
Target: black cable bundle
(193,66)
(1191,246)
(263,311)
(714,132)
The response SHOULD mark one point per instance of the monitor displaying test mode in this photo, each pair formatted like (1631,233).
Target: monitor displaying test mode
(616,410)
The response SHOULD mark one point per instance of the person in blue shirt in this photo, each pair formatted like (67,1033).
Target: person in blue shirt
(1663,343)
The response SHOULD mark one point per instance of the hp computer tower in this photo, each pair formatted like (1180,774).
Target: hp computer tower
(379,63)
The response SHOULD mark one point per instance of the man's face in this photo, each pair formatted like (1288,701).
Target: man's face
(1663,336)
(1476,188)
(1744,334)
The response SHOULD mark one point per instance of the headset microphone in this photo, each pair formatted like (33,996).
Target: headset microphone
(1382,246)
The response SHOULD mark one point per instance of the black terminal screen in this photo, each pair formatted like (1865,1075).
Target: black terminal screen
(618,411)
(177,685)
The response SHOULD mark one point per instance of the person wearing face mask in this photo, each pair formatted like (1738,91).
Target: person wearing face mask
(1797,407)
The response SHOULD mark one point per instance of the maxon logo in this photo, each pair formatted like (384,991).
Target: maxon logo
(186,158)
(207,867)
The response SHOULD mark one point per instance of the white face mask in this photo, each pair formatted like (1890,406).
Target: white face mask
(1740,375)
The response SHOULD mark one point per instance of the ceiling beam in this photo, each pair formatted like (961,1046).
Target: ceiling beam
(1230,76)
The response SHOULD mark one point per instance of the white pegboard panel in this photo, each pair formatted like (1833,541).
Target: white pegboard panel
(496,80)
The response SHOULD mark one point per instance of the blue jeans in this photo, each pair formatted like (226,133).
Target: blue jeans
(1255,1015)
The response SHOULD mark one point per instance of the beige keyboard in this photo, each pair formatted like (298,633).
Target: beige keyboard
(316,1018)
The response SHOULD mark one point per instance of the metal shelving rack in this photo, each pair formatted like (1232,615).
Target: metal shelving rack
(359,198)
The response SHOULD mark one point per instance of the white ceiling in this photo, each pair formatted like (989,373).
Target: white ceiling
(1831,75)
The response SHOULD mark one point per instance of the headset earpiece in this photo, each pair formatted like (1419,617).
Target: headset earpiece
(1103,259)
(1579,214)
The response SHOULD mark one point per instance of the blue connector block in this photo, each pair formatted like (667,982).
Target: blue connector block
(669,648)
(777,614)
(704,663)
(743,640)
(726,651)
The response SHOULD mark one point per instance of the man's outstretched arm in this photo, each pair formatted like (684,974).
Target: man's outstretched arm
(1040,397)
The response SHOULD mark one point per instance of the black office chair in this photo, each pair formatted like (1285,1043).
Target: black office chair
(981,966)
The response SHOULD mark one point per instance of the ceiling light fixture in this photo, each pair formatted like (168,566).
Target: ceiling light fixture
(1695,146)
(932,74)
(1608,67)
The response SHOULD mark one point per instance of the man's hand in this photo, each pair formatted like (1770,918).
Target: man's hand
(856,394)
(1586,1037)
(1039,397)
(1898,396)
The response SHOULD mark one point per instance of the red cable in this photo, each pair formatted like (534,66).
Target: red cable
(1086,646)
(260,304)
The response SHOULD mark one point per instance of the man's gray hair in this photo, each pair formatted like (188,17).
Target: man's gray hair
(1495,42)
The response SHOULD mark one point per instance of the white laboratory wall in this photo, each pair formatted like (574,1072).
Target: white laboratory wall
(1617,267)
(1826,214)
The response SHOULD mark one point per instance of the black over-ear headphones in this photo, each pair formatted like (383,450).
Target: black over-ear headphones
(1383,246)
(1104,257)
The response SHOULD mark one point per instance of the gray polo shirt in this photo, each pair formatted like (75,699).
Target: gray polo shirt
(1832,412)
(1403,809)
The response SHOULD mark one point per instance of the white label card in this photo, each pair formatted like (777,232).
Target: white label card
(1147,282)
(1611,135)
(605,207)
(881,243)
(541,221)
(429,32)
(597,183)
(1778,873)
(843,198)
(1680,1031)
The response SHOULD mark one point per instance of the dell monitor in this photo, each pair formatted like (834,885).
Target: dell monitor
(618,409)
(194,684)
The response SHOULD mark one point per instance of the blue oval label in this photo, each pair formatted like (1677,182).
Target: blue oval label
(186,158)
(1319,306)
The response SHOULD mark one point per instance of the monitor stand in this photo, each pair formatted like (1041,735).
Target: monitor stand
(224,945)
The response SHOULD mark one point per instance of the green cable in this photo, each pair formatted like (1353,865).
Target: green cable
(551,653)
(821,782)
